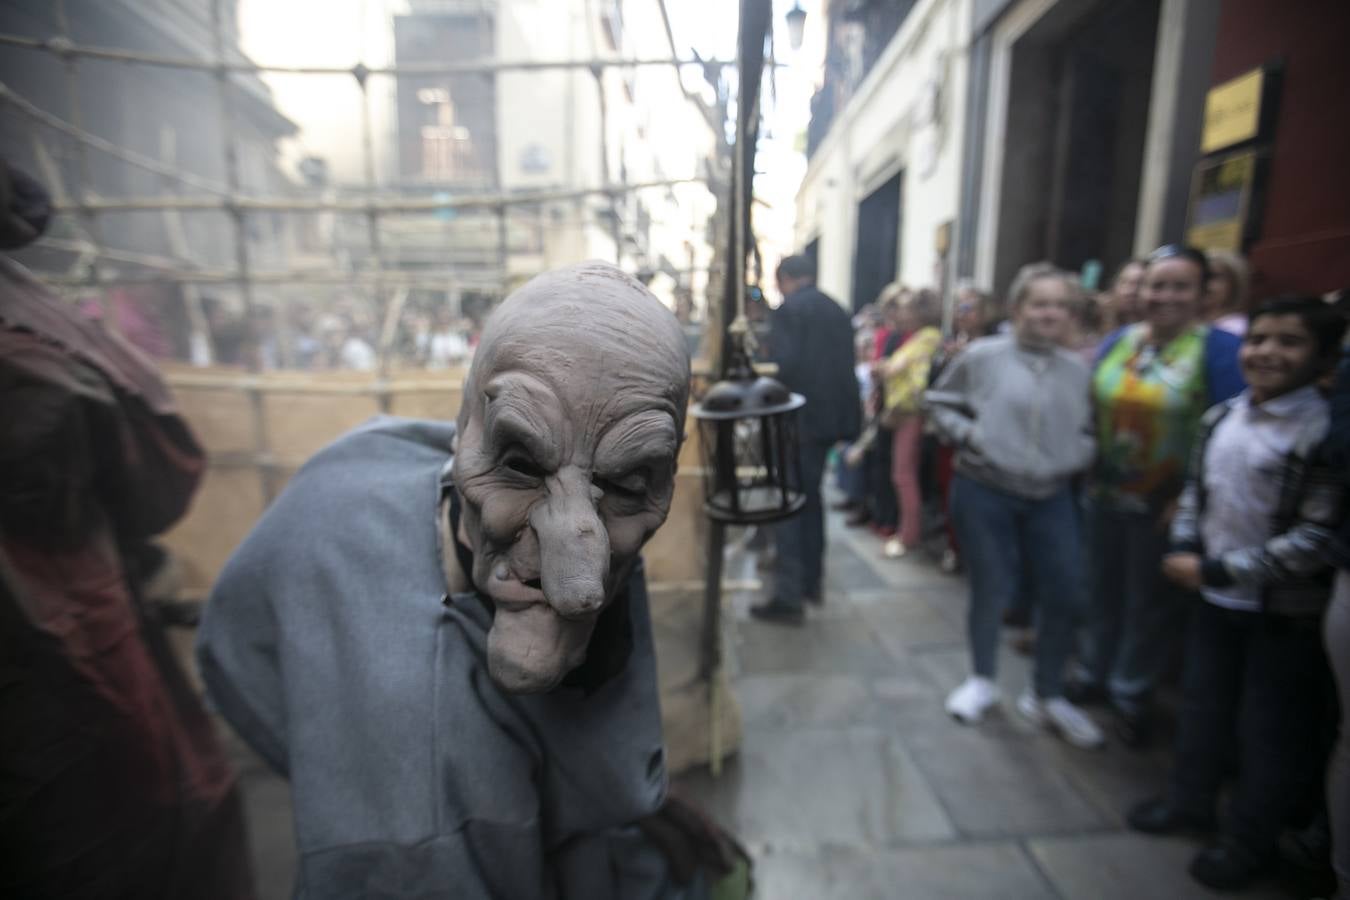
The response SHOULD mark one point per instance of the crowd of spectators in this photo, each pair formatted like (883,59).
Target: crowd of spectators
(341,335)
(1152,479)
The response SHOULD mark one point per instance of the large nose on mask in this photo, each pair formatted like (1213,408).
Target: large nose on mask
(573,545)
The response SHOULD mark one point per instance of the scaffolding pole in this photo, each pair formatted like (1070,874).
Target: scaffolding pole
(65,48)
(88,217)
(262,446)
(383,206)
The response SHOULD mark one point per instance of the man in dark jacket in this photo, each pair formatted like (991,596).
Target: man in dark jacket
(811,340)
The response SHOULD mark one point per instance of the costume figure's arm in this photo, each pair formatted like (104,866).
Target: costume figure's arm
(238,656)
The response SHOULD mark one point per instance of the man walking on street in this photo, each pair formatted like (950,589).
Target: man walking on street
(811,340)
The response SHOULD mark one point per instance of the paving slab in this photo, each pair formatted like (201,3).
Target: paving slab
(774,702)
(1127,866)
(837,645)
(846,571)
(801,790)
(1114,779)
(995,782)
(988,871)
(910,621)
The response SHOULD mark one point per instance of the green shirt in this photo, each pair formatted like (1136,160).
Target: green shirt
(1148,401)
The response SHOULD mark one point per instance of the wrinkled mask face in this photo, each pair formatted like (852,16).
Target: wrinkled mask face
(566,464)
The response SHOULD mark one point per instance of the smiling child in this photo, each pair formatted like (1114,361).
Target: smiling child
(1252,529)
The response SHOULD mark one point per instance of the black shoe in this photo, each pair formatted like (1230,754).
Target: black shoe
(778,613)
(858,518)
(1228,866)
(1309,849)
(1160,816)
(815,598)
(844,505)
(1134,729)
(1084,693)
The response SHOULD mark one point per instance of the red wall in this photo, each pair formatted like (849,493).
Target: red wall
(1304,242)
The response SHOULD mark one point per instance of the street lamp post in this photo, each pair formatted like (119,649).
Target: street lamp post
(796,22)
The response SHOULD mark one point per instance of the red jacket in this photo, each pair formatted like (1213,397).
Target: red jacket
(112,783)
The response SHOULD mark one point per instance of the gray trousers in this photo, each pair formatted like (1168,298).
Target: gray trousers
(1338,783)
(801,539)
(1137,616)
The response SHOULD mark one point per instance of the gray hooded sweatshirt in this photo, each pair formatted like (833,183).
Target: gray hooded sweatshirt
(330,645)
(1020,418)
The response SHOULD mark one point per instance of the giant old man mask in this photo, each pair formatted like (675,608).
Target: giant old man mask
(572,420)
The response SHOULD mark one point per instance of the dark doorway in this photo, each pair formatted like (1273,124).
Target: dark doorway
(1077,116)
(875,258)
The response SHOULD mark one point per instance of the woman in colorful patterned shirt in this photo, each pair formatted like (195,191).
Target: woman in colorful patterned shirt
(1152,382)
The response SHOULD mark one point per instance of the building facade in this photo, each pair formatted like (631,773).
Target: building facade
(167,115)
(883,180)
(1288,201)
(550,130)
(992,133)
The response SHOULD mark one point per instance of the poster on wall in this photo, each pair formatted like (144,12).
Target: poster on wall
(1226,188)
(1223,204)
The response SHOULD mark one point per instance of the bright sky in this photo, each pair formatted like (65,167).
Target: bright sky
(709,26)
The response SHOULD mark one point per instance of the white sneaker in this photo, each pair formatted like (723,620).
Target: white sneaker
(1062,718)
(893,549)
(972,699)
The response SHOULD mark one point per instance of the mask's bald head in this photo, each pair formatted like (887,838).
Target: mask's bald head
(590,312)
(572,420)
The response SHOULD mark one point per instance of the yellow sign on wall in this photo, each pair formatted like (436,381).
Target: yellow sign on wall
(1221,201)
(1233,112)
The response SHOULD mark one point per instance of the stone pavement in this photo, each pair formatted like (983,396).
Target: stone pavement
(854,783)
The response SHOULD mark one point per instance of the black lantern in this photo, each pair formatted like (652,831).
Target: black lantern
(748,428)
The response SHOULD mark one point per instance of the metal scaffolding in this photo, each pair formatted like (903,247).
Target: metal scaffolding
(230,198)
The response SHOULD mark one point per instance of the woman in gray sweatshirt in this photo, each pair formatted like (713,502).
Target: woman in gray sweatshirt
(1017,409)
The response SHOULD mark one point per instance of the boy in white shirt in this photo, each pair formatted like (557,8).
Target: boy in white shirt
(1252,535)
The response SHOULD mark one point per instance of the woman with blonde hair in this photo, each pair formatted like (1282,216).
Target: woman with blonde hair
(1224,304)
(1017,408)
(1123,304)
(905,373)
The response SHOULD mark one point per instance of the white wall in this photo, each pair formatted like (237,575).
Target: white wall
(554,115)
(327,108)
(555,111)
(907,114)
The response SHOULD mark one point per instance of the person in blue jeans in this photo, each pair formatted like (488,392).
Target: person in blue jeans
(1016,407)
(1152,382)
